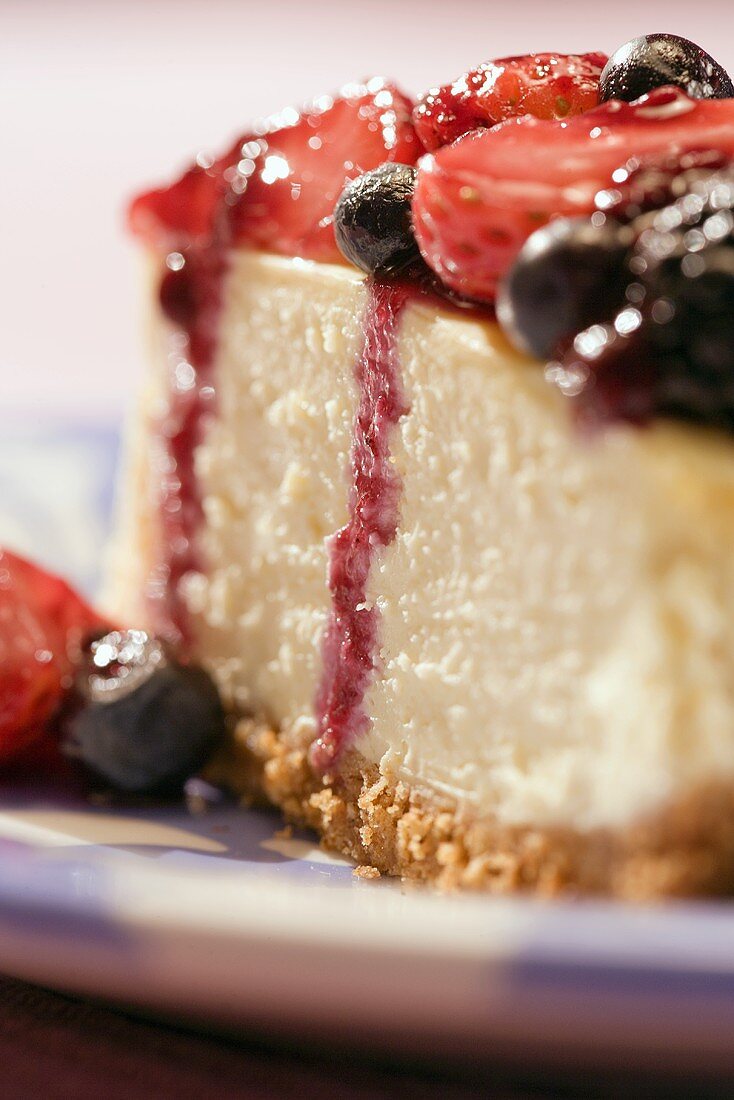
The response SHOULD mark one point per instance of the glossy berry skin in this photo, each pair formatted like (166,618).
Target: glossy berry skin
(372,220)
(544,85)
(670,351)
(146,723)
(477,201)
(654,60)
(568,275)
(656,181)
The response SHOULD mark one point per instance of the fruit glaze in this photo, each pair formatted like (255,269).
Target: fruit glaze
(586,202)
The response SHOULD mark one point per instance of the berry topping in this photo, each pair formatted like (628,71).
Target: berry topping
(655,60)
(277,187)
(41,622)
(146,723)
(545,85)
(657,181)
(289,179)
(183,213)
(670,350)
(373,221)
(568,275)
(478,200)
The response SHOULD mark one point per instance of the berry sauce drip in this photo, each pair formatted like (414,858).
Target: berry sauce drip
(478,200)
(190,297)
(350,641)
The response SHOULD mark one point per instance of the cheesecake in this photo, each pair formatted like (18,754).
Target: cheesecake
(451,531)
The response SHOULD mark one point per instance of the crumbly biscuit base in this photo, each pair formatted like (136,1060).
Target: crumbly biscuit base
(684,850)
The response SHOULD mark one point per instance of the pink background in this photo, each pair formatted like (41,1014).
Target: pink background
(99,99)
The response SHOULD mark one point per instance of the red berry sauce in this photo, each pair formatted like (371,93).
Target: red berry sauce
(350,642)
(190,297)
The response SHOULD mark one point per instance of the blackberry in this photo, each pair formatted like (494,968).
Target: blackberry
(145,723)
(655,60)
(373,223)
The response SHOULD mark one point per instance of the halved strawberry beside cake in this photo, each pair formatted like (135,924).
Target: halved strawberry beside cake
(475,621)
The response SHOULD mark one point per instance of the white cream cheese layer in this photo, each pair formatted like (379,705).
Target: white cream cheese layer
(557,613)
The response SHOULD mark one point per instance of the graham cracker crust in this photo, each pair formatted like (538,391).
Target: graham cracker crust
(685,850)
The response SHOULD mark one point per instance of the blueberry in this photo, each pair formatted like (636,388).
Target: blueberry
(670,350)
(145,723)
(568,274)
(687,271)
(372,220)
(657,59)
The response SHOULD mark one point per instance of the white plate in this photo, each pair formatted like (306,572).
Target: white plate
(214,915)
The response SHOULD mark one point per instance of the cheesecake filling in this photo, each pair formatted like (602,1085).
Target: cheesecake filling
(350,640)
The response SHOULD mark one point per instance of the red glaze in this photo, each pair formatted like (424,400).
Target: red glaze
(42,621)
(350,642)
(546,85)
(478,200)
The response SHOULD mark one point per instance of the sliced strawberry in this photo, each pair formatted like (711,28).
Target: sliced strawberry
(546,85)
(182,214)
(278,185)
(477,201)
(41,618)
(289,179)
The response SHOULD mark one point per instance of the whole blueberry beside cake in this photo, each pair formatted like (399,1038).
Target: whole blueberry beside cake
(433,471)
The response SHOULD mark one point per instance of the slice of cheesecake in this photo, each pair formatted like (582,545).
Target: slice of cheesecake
(463,639)
(554,662)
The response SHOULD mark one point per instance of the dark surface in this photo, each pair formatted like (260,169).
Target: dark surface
(54,1046)
(569,275)
(655,60)
(372,220)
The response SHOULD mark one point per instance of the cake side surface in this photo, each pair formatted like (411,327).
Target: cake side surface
(273,471)
(557,643)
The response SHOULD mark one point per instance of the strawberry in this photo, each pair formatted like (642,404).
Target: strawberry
(546,85)
(41,619)
(290,177)
(478,200)
(183,213)
(278,185)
